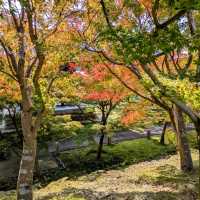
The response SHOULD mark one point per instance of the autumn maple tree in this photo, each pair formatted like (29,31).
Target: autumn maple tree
(29,56)
(105,92)
(138,35)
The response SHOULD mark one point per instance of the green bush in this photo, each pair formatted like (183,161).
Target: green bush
(170,138)
(58,127)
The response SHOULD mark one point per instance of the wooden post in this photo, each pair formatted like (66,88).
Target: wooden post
(148,134)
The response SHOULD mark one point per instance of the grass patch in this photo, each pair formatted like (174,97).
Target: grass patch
(157,173)
(122,154)
(83,161)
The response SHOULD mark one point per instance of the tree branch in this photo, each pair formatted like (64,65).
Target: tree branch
(10,55)
(8,74)
(167,22)
(105,12)
(178,15)
(126,85)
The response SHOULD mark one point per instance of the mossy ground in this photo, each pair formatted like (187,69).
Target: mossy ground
(132,170)
(152,180)
(83,161)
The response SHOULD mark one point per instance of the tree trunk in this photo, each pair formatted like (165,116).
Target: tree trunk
(162,138)
(37,166)
(25,177)
(103,122)
(99,152)
(109,142)
(197,127)
(182,142)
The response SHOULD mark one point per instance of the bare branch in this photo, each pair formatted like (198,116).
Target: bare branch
(105,12)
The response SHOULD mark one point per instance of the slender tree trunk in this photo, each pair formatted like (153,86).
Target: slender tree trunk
(162,138)
(109,142)
(25,177)
(103,122)
(182,142)
(198,67)
(197,127)
(100,148)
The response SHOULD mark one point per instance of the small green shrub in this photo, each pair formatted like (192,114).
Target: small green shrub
(58,127)
(170,138)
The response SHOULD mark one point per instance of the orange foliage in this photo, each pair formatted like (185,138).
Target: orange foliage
(131,117)
(9,91)
(105,95)
(147,3)
(100,85)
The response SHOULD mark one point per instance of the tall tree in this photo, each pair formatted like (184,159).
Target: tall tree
(26,38)
(105,92)
(135,34)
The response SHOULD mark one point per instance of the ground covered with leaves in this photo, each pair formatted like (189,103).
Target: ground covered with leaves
(157,179)
(152,180)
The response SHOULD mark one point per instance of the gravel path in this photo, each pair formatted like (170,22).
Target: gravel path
(69,144)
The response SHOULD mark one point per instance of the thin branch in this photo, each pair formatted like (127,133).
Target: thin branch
(187,65)
(168,21)
(101,52)
(105,12)
(156,66)
(12,12)
(154,12)
(9,54)
(125,84)
(167,64)
(191,22)
(51,84)
(177,16)
(30,67)
(8,74)
(176,66)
